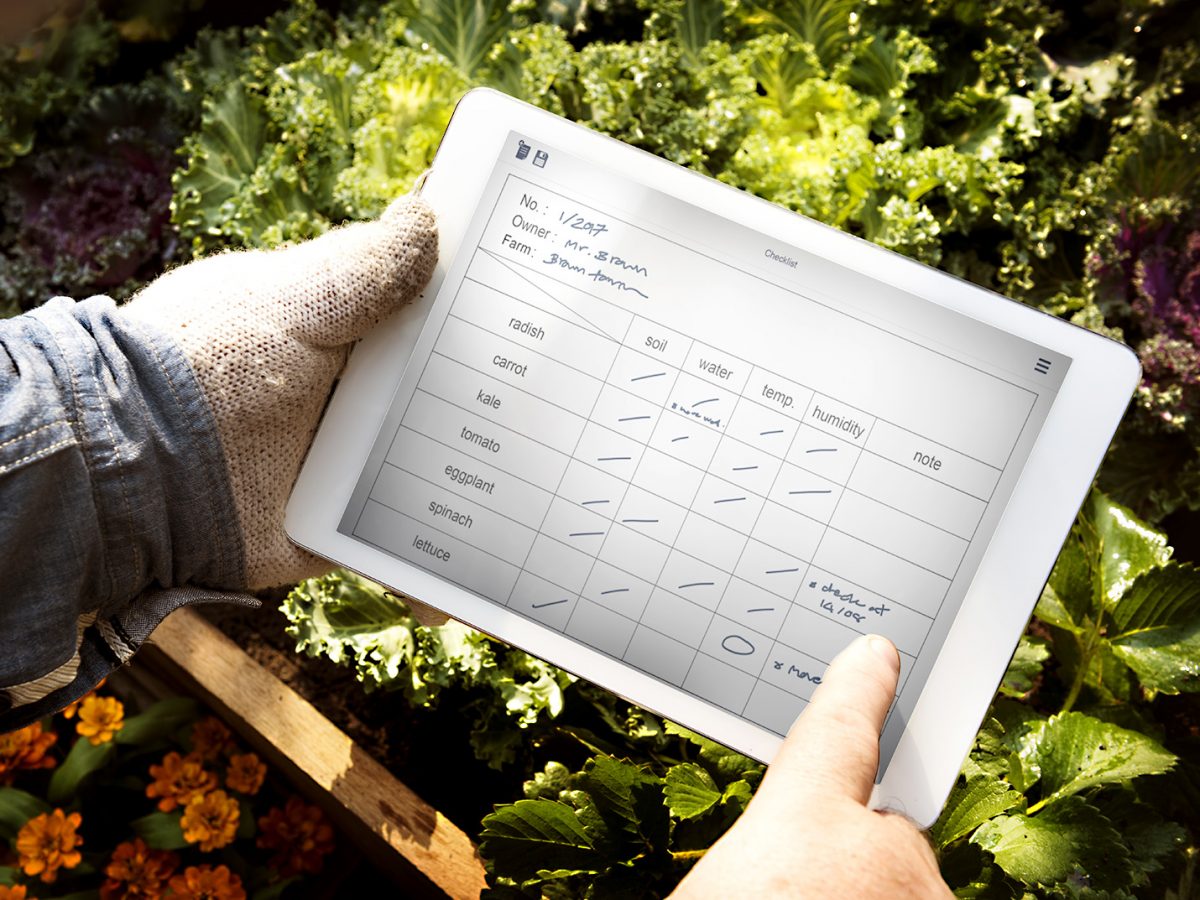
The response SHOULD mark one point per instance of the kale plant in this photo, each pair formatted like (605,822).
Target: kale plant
(87,148)
(92,215)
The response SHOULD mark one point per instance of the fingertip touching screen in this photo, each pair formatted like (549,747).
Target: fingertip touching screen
(695,448)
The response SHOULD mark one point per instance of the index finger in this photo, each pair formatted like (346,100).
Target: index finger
(833,747)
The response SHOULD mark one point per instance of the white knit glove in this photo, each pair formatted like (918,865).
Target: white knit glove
(266,333)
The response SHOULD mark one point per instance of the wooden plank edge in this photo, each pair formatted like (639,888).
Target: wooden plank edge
(396,829)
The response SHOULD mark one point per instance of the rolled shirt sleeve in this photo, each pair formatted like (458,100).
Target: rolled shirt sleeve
(115,501)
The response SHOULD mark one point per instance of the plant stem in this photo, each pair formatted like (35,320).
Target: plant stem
(1085,659)
(687,855)
(1089,647)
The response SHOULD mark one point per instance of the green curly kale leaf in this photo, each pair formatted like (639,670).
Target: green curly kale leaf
(357,623)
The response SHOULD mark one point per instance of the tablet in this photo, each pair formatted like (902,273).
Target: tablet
(687,444)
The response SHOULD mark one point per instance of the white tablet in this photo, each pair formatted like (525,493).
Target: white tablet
(687,444)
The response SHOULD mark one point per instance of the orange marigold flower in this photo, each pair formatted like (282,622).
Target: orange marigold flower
(207,883)
(100,718)
(211,821)
(13,892)
(178,780)
(25,748)
(299,834)
(47,843)
(211,738)
(245,773)
(71,708)
(136,871)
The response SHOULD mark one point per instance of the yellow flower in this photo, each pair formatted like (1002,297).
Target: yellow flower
(211,821)
(207,883)
(15,892)
(300,836)
(178,780)
(210,738)
(25,749)
(245,773)
(73,707)
(47,843)
(100,718)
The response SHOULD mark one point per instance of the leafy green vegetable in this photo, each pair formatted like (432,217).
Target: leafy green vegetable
(1075,752)
(1025,667)
(357,623)
(1157,629)
(1070,841)
(981,798)
(690,791)
(89,212)
(536,836)
(1057,802)
(48,73)
(463,31)
(1116,603)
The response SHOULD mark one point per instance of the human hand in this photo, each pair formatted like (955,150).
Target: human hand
(808,831)
(266,333)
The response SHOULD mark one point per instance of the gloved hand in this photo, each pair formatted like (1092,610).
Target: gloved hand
(808,832)
(266,333)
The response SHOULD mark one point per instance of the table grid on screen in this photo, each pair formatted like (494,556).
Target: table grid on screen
(664,501)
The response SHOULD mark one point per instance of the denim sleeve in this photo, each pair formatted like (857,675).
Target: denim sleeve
(115,502)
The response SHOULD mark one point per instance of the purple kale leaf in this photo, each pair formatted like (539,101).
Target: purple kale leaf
(93,214)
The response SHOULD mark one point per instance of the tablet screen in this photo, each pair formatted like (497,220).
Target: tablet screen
(692,447)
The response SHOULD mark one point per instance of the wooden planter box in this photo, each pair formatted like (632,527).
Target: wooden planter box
(400,833)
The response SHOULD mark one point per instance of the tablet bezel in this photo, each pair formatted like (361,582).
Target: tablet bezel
(1018,559)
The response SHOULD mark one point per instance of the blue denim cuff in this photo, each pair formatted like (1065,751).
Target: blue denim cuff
(113,491)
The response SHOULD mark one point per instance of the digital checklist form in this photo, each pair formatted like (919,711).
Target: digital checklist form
(694,448)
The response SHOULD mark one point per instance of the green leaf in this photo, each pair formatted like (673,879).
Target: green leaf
(626,796)
(161,830)
(1107,549)
(1069,840)
(1050,606)
(16,808)
(246,826)
(690,791)
(737,795)
(352,620)
(824,24)
(699,23)
(1127,546)
(529,836)
(81,762)
(159,721)
(1151,838)
(970,805)
(1025,667)
(725,763)
(234,131)
(275,890)
(1157,629)
(1076,752)
(1022,774)
(463,31)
